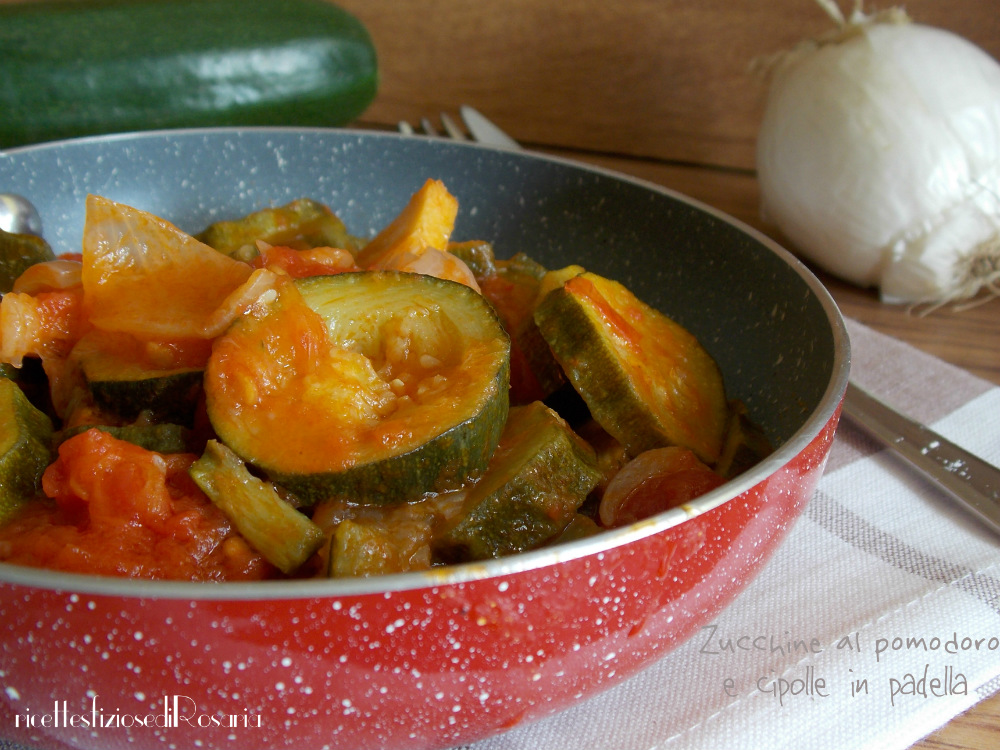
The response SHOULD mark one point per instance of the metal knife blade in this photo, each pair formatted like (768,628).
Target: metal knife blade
(965,477)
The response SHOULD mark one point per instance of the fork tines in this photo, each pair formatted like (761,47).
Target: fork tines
(451,128)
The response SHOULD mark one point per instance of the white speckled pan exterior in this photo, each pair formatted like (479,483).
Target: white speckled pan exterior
(433,659)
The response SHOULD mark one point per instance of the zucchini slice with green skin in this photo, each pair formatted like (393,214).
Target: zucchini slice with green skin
(167,394)
(283,535)
(160,437)
(25,448)
(645,378)
(374,386)
(303,223)
(477,255)
(539,476)
(125,382)
(370,540)
(17,253)
(367,548)
(128,390)
(154,64)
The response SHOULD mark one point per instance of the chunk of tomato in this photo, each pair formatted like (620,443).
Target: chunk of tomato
(121,510)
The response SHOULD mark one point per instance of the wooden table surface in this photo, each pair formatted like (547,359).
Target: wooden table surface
(658,89)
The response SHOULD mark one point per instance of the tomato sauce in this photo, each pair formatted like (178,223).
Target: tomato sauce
(113,508)
(300,264)
(42,325)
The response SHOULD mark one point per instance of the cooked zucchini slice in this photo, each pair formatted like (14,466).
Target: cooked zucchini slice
(160,437)
(646,379)
(379,539)
(126,389)
(477,255)
(166,394)
(374,386)
(372,547)
(539,476)
(17,253)
(303,223)
(282,534)
(25,448)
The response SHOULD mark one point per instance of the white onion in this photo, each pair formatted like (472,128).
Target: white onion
(879,158)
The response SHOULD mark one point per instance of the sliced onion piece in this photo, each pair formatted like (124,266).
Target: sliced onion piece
(655,481)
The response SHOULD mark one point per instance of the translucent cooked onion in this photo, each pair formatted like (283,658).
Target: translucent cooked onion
(48,276)
(654,481)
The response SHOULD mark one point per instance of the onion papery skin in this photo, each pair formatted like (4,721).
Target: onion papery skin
(879,157)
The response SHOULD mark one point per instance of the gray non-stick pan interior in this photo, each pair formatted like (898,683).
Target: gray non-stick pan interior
(759,313)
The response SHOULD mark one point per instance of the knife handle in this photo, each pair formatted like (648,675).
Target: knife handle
(965,477)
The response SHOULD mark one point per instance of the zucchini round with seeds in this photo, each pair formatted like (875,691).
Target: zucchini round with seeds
(375,386)
(644,377)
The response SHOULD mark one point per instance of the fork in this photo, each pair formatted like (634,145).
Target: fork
(426,127)
(964,477)
(480,129)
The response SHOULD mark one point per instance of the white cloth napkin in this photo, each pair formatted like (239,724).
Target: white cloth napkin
(881,579)
(878,557)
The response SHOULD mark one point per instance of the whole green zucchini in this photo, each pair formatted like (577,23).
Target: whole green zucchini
(84,67)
